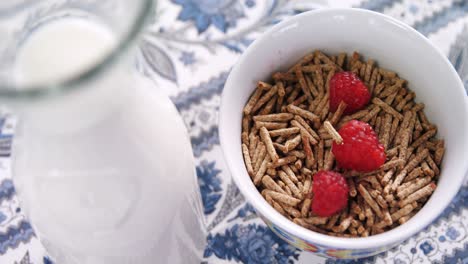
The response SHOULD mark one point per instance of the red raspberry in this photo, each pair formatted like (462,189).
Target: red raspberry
(347,87)
(330,193)
(361,149)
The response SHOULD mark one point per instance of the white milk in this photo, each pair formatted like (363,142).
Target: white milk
(105,174)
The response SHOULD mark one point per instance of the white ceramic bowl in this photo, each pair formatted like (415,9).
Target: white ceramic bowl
(394,46)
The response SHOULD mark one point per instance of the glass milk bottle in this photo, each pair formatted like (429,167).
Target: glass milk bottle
(101,160)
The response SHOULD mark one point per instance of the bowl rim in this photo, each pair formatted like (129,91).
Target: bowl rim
(389,238)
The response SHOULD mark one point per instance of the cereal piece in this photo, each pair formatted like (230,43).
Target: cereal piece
(355,209)
(352,187)
(270,184)
(393,130)
(406,99)
(386,166)
(271,172)
(373,181)
(306,207)
(421,193)
(281,117)
(378,198)
(318,80)
(297,153)
(387,177)
(298,164)
(303,223)
(245,138)
(248,162)
(391,89)
(261,171)
(393,152)
(424,138)
(371,114)
(332,221)
(303,124)
(387,125)
(439,153)
(270,125)
(282,161)
(341,59)
(293,95)
(433,165)
(253,146)
(329,76)
(264,86)
(326,60)
(387,108)
(404,144)
(259,157)
(323,114)
(404,191)
(343,225)
(292,143)
(284,76)
(291,211)
(417,159)
(307,150)
(378,88)
(285,178)
(307,185)
(303,113)
(287,169)
(246,124)
(316,220)
(378,126)
(302,82)
(356,68)
(284,132)
(274,204)
(268,144)
(294,169)
(369,66)
(426,170)
(415,173)
(324,101)
(373,80)
(329,160)
(332,132)
(418,107)
(387,74)
(252,101)
(281,94)
(319,155)
(304,60)
(269,106)
(338,113)
(280,147)
(402,212)
(369,200)
(389,100)
(283,198)
(311,86)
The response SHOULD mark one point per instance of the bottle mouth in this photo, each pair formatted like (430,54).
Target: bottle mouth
(54,88)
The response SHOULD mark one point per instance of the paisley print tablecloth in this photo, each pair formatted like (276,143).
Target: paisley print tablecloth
(188,51)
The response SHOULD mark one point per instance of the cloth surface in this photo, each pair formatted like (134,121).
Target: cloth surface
(188,51)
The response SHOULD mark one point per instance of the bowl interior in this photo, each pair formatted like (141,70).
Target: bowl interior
(394,46)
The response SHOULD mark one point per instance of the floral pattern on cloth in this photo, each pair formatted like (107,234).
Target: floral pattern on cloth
(188,52)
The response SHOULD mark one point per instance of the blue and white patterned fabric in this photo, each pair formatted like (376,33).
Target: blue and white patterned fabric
(188,51)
